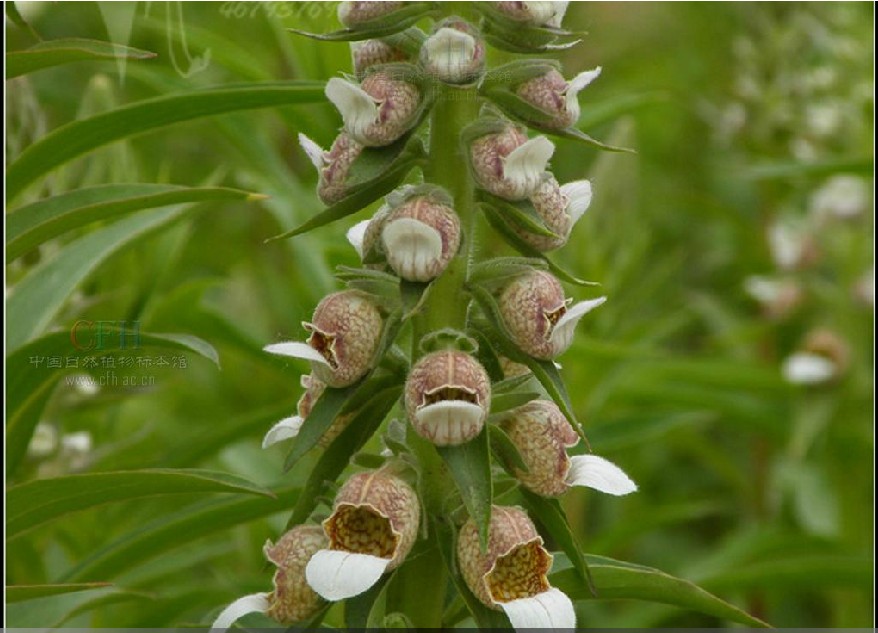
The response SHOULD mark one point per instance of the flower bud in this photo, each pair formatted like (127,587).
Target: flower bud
(378,111)
(373,526)
(420,236)
(292,599)
(537,316)
(542,435)
(353,14)
(333,166)
(512,575)
(560,207)
(509,165)
(455,53)
(553,95)
(511,369)
(344,335)
(372,53)
(447,397)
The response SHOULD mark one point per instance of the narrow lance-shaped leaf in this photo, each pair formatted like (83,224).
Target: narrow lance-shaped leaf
(337,456)
(172,531)
(549,514)
(76,138)
(617,580)
(470,466)
(37,502)
(65,51)
(31,225)
(20,593)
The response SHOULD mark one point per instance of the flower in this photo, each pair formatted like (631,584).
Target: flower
(778,297)
(344,335)
(292,599)
(537,316)
(447,397)
(560,207)
(333,166)
(512,574)
(535,13)
(365,235)
(823,357)
(454,53)
(841,197)
(420,236)
(509,165)
(552,94)
(378,111)
(370,53)
(371,530)
(542,435)
(289,428)
(352,14)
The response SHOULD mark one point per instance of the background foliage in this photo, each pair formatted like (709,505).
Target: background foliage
(742,115)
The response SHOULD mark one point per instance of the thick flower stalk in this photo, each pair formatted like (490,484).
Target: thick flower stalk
(433,329)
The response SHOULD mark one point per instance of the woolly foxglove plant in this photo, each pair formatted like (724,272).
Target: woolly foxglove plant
(459,345)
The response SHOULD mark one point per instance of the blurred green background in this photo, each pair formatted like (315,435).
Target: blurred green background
(739,235)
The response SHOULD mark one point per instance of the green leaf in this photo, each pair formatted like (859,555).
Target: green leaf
(172,531)
(505,450)
(382,26)
(78,137)
(364,194)
(503,402)
(617,580)
(470,466)
(31,225)
(20,593)
(37,298)
(52,611)
(521,213)
(499,271)
(792,573)
(65,51)
(497,220)
(34,503)
(29,385)
(338,455)
(549,514)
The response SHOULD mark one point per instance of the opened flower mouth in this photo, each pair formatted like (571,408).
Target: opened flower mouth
(323,343)
(512,575)
(447,397)
(371,530)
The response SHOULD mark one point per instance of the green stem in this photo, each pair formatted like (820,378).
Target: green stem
(445,307)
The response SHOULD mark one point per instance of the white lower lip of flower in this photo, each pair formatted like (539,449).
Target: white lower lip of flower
(338,575)
(540,12)
(560,11)
(562,333)
(297,350)
(254,603)
(803,368)
(524,166)
(551,609)
(357,107)
(413,249)
(601,474)
(286,429)
(578,194)
(356,234)
(450,54)
(314,151)
(450,422)
(574,86)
